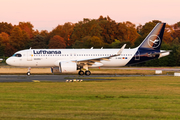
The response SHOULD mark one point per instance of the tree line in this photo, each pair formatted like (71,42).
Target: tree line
(97,33)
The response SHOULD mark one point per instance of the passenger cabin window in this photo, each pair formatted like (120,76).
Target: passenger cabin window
(17,55)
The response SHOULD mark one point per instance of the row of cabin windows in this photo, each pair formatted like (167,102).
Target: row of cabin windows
(84,55)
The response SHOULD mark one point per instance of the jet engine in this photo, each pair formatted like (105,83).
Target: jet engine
(65,67)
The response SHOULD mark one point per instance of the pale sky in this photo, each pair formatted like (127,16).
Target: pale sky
(48,14)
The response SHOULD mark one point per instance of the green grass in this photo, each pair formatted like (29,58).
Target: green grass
(123,98)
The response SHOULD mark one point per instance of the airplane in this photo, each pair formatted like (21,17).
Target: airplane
(71,60)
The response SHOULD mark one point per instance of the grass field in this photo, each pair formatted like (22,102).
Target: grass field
(94,71)
(124,98)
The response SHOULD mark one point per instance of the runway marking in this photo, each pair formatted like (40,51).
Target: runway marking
(36,81)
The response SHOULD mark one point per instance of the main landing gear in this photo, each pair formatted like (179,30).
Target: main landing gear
(87,72)
(81,72)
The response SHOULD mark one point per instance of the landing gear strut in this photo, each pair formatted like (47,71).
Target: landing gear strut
(81,72)
(29,71)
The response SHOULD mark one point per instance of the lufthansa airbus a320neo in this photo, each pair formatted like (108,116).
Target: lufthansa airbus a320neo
(71,60)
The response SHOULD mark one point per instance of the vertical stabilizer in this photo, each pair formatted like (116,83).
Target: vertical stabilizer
(154,38)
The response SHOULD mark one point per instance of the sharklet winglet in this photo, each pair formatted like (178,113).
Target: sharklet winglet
(122,48)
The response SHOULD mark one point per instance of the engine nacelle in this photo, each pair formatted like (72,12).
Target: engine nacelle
(65,67)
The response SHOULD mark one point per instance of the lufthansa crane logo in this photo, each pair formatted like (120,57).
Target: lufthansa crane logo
(154,41)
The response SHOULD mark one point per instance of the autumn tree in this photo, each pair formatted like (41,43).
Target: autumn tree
(88,42)
(94,41)
(138,41)
(177,25)
(36,32)
(39,41)
(65,31)
(145,29)
(176,33)
(46,36)
(130,33)
(118,44)
(6,27)
(5,48)
(4,40)
(111,30)
(85,28)
(18,38)
(44,33)
(27,27)
(115,44)
(168,34)
(106,29)
(56,31)
(57,42)
(177,56)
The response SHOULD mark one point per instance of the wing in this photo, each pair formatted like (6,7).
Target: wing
(91,61)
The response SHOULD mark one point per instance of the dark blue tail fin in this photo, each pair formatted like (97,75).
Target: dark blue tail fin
(154,38)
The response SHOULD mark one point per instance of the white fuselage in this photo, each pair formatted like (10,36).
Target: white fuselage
(47,58)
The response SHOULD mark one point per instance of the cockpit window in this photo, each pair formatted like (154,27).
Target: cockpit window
(17,55)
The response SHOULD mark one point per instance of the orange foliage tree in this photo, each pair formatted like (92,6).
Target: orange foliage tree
(57,42)
(18,38)
(5,48)
(64,31)
(27,27)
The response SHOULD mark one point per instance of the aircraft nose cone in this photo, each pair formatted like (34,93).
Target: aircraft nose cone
(9,61)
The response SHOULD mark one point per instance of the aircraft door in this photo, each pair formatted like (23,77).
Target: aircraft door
(137,56)
(29,55)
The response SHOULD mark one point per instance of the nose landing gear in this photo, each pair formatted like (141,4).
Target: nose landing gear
(29,71)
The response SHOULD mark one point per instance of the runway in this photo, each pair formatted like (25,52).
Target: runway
(146,68)
(25,78)
(58,78)
(43,74)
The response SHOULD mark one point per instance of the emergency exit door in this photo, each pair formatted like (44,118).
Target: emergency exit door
(29,55)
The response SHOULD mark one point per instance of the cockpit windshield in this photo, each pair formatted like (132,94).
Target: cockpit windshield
(17,55)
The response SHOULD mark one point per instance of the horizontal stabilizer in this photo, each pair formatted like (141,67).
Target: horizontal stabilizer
(158,53)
